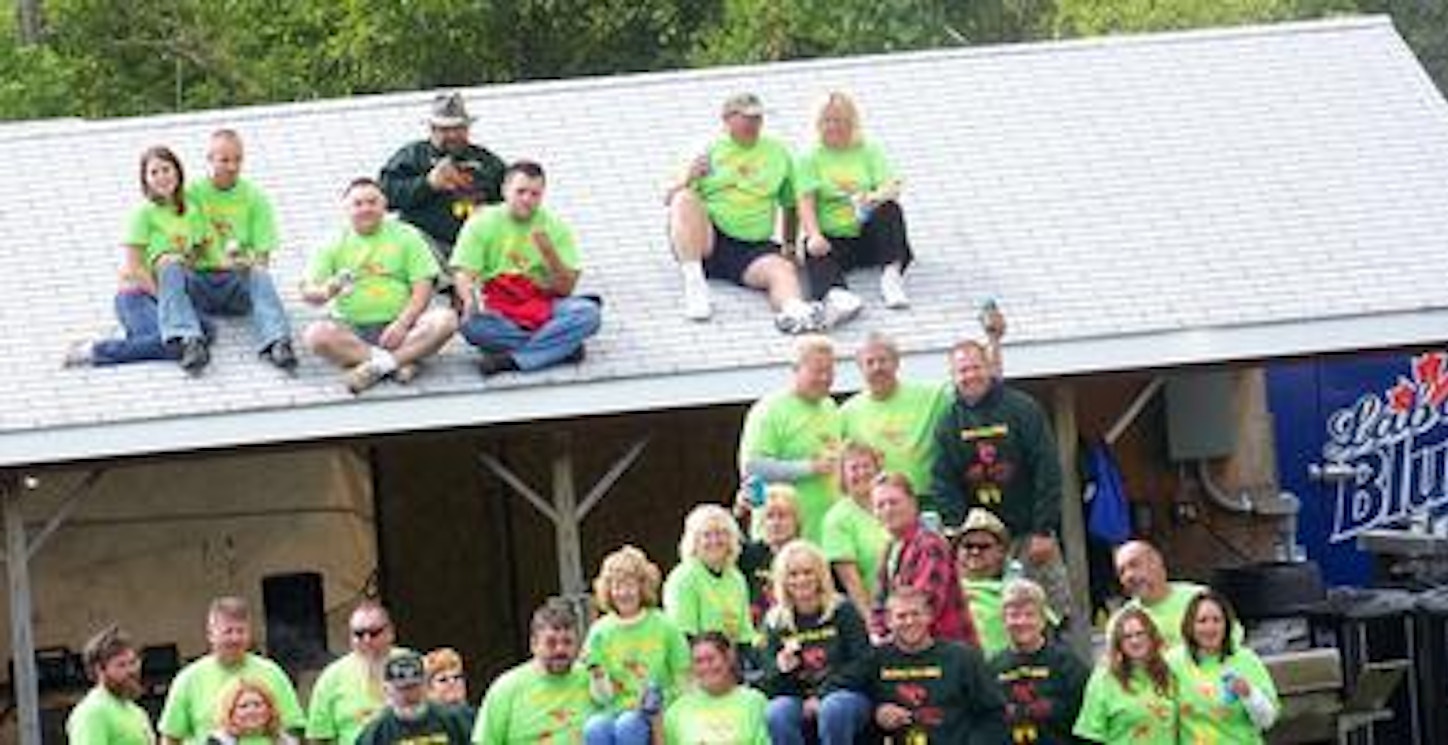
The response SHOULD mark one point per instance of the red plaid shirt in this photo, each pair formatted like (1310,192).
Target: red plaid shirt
(923,560)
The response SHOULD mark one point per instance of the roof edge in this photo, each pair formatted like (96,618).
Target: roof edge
(1031,360)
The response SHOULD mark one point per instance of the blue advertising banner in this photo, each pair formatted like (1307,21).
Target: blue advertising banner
(1363,441)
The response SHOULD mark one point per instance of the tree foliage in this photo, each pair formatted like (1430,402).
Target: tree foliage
(96,58)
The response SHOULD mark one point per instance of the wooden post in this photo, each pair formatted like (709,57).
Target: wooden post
(1073,527)
(22,632)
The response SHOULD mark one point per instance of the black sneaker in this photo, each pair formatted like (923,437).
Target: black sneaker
(576,358)
(493,363)
(281,355)
(194,355)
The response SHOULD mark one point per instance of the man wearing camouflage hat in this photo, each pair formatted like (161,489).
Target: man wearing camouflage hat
(409,717)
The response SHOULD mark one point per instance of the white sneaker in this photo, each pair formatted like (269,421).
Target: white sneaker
(892,289)
(696,300)
(799,317)
(841,305)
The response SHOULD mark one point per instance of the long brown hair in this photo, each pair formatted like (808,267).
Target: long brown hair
(176,200)
(1155,665)
(1189,624)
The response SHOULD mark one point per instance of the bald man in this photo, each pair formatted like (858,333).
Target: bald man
(1142,572)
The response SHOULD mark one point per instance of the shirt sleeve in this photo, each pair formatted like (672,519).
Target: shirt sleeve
(320,723)
(138,228)
(467,250)
(1091,721)
(421,264)
(286,695)
(681,603)
(946,471)
(404,179)
(175,720)
(1046,473)
(492,725)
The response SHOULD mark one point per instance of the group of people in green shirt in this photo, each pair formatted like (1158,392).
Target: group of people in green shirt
(203,250)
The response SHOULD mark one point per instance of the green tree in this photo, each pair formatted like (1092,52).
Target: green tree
(1095,17)
(767,30)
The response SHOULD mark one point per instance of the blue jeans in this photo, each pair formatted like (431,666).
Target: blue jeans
(625,728)
(178,317)
(240,293)
(842,715)
(574,319)
(137,313)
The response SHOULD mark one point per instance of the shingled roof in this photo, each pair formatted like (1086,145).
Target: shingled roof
(1134,202)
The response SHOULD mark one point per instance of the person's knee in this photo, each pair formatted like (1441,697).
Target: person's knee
(320,335)
(442,321)
(783,711)
(585,314)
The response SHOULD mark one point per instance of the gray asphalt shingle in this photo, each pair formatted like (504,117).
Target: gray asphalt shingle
(1103,189)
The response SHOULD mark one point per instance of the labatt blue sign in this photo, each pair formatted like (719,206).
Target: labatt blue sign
(1391,451)
(1364,442)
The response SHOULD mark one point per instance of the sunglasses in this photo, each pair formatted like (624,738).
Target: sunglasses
(976,547)
(446,678)
(369,632)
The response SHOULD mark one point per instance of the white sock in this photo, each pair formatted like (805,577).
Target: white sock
(382,360)
(693,272)
(892,271)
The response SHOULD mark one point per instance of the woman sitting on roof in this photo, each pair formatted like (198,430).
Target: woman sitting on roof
(165,229)
(848,210)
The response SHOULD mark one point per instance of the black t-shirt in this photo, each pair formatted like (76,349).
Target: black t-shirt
(946,687)
(439,725)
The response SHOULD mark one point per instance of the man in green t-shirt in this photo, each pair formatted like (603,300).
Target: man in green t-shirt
(109,715)
(545,699)
(723,208)
(191,701)
(981,551)
(378,276)
(793,436)
(231,278)
(894,416)
(349,691)
(1142,572)
(516,266)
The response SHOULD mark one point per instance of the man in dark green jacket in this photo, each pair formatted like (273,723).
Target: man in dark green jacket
(436,183)
(994,450)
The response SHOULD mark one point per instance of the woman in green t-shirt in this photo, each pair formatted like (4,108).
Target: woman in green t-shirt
(637,658)
(1226,693)
(718,711)
(166,226)
(706,591)
(248,715)
(1131,696)
(849,212)
(854,539)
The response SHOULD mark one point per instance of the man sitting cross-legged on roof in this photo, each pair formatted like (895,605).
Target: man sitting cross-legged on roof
(722,212)
(516,267)
(379,276)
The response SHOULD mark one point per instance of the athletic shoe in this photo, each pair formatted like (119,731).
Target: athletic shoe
(363,376)
(892,289)
(492,363)
(194,355)
(405,374)
(281,355)
(810,320)
(79,354)
(697,306)
(840,306)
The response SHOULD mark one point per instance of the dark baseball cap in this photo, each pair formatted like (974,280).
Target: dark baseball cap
(405,669)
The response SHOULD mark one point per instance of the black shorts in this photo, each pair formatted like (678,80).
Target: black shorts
(370,332)
(731,257)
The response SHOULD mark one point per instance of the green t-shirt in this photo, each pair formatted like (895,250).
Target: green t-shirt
(784,426)
(853,534)
(1169,612)
(1113,714)
(984,598)
(190,710)
(1209,714)
(902,428)
(834,175)
(527,705)
(242,213)
(493,243)
(102,718)
(736,718)
(344,698)
(745,185)
(699,600)
(159,231)
(384,266)
(637,652)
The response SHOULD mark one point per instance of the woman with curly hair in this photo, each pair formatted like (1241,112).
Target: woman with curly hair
(706,591)
(1131,696)
(248,715)
(637,657)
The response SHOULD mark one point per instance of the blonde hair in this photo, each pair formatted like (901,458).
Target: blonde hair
(625,563)
(1024,592)
(702,518)
(807,345)
(232,696)
(782,496)
(781,616)
(441,660)
(845,104)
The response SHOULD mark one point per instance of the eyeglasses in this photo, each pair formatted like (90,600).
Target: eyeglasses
(368,632)
(975,547)
(446,678)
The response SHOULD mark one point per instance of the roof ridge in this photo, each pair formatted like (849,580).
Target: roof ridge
(513,89)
